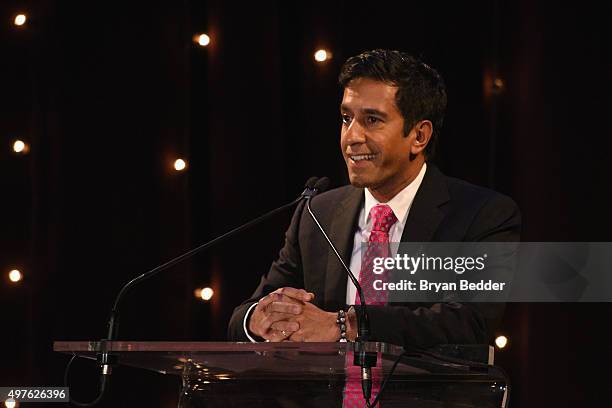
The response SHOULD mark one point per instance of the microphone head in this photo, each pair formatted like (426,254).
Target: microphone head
(310,183)
(314,186)
(321,184)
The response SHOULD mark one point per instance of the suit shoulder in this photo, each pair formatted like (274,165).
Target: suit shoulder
(494,216)
(477,196)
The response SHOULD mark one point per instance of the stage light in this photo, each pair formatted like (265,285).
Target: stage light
(10,403)
(501,341)
(498,86)
(202,39)
(207,293)
(20,19)
(204,293)
(15,276)
(180,165)
(322,55)
(19,146)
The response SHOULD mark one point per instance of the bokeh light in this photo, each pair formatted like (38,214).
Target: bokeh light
(15,275)
(202,39)
(501,341)
(322,55)
(180,165)
(204,293)
(20,19)
(19,146)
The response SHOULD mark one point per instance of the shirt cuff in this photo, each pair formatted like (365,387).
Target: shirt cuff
(244,323)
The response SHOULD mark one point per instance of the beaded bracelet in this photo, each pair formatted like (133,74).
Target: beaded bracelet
(341,322)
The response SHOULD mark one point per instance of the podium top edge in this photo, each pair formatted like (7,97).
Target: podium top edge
(188,346)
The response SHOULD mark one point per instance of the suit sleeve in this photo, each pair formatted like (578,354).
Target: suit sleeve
(427,325)
(286,271)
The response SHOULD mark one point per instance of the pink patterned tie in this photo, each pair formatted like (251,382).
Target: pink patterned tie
(378,246)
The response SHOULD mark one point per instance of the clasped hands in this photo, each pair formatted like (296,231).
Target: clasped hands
(287,314)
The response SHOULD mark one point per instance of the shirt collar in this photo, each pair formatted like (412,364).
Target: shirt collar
(400,204)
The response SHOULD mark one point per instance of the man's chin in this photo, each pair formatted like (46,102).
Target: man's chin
(359,182)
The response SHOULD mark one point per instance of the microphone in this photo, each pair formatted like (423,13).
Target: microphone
(366,360)
(313,186)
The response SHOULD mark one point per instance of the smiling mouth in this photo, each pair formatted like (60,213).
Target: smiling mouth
(361,157)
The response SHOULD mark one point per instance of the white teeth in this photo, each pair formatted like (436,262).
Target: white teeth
(362,157)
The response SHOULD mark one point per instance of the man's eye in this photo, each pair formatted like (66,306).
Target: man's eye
(372,120)
(346,119)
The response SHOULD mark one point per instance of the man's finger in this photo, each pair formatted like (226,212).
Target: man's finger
(266,300)
(277,297)
(271,318)
(298,294)
(284,307)
(296,336)
(283,325)
(276,335)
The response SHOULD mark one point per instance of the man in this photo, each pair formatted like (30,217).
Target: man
(392,112)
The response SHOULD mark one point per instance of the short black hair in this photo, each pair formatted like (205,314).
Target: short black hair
(421,92)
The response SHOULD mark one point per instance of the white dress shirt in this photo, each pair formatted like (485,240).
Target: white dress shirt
(400,204)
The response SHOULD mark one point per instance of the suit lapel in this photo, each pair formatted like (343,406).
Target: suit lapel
(425,215)
(341,233)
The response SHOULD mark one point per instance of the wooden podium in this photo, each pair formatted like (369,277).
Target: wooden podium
(307,374)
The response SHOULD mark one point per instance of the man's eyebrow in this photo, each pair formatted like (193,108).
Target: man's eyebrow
(372,111)
(366,111)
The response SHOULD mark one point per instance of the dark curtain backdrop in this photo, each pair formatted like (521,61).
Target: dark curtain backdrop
(108,94)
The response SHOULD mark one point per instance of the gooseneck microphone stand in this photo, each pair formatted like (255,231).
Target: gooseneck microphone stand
(105,358)
(362,358)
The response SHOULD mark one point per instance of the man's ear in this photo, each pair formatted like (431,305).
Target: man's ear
(421,135)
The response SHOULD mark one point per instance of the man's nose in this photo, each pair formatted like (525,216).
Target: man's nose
(355,133)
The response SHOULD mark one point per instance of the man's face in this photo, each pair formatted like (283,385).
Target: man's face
(372,139)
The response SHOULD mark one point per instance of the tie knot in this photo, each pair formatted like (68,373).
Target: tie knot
(382,218)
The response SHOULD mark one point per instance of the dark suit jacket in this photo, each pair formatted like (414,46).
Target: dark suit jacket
(444,209)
